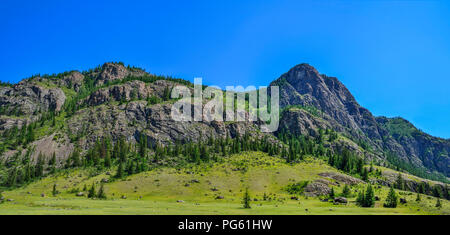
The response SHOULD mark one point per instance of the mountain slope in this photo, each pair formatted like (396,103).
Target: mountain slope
(210,189)
(304,86)
(111,126)
(73,110)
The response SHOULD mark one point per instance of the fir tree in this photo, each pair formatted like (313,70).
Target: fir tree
(360,199)
(54,191)
(345,191)
(418,199)
(91,193)
(166,93)
(246,199)
(107,160)
(331,194)
(369,197)
(76,161)
(438,203)
(399,182)
(391,200)
(101,193)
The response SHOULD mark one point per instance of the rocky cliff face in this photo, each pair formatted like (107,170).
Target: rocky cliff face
(123,109)
(304,86)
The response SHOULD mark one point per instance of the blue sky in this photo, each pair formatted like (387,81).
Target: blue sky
(393,56)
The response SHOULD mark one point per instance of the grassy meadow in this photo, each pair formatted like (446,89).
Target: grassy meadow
(208,188)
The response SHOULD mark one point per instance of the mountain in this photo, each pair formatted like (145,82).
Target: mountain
(110,101)
(393,139)
(111,128)
(74,110)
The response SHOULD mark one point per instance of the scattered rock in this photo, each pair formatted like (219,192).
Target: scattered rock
(180,201)
(341,178)
(294,198)
(42,194)
(124,197)
(403,200)
(220,197)
(10,200)
(342,200)
(317,188)
(80,194)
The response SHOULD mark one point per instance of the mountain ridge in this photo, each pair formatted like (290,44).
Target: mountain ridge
(118,100)
(303,85)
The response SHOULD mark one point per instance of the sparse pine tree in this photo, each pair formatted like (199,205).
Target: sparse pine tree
(107,160)
(101,193)
(391,200)
(418,199)
(399,183)
(91,193)
(369,197)
(360,199)
(246,199)
(345,191)
(120,170)
(54,191)
(331,194)
(76,161)
(365,174)
(438,203)
(166,93)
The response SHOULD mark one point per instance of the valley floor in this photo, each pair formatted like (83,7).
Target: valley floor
(215,188)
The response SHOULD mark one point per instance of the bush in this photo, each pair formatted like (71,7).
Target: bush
(297,188)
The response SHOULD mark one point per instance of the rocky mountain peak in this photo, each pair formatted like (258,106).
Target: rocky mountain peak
(116,71)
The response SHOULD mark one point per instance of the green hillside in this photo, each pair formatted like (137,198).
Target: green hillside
(207,188)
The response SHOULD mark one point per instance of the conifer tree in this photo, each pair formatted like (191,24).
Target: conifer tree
(54,191)
(399,182)
(418,199)
(369,197)
(360,199)
(166,93)
(107,160)
(438,203)
(246,199)
(76,161)
(345,191)
(101,193)
(39,170)
(91,193)
(331,194)
(365,174)
(391,200)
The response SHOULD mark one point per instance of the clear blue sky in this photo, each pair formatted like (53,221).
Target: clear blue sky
(393,56)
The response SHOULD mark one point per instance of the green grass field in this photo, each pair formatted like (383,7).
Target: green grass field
(194,190)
